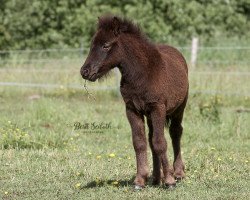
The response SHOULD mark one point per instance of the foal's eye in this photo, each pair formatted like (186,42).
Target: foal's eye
(106,47)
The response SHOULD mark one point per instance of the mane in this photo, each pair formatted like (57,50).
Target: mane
(125,25)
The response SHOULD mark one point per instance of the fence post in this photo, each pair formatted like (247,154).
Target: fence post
(194,52)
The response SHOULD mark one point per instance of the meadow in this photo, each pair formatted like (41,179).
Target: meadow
(44,156)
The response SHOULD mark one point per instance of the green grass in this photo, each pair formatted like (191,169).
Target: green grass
(53,161)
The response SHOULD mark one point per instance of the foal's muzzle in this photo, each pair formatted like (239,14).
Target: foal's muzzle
(88,72)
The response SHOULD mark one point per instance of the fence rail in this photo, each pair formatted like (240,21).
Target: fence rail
(40,50)
(74,86)
(20,51)
(60,70)
(48,60)
(115,86)
(195,54)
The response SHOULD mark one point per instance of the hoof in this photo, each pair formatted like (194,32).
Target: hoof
(170,186)
(138,187)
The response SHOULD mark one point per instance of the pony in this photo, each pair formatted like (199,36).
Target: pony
(154,86)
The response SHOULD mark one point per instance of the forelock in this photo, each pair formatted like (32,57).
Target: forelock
(126,26)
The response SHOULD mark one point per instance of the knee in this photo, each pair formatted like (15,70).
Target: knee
(159,145)
(140,146)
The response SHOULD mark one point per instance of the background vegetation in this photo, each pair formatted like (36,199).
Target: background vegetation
(70,23)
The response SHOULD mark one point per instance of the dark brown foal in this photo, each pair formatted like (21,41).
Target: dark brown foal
(154,84)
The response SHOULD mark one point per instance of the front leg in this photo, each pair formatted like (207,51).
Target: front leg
(136,121)
(158,117)
(156,161)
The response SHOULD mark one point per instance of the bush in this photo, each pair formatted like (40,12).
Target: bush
(71,23)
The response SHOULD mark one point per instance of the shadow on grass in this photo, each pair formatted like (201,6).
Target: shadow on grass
(124,183)
(117,183)
(102,183)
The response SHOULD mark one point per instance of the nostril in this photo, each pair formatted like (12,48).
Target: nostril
(85,72)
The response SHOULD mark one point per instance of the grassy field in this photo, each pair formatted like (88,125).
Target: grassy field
(42,156)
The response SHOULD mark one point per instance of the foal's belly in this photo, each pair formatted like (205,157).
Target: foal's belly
(145,106)
(144,102)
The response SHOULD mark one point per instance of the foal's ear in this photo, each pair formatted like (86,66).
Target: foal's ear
(118,26)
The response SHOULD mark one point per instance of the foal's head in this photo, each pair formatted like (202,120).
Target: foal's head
(106,50)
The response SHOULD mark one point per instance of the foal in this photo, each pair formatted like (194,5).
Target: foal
(154,83)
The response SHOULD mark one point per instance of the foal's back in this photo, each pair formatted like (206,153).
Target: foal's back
(172,54)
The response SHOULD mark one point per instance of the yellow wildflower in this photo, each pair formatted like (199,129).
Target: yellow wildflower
(112,155)
(115,183)
(97,181)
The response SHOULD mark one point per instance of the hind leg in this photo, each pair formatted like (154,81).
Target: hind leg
(175,133)
(156,160)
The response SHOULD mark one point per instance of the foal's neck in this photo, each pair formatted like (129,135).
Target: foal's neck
(140,61)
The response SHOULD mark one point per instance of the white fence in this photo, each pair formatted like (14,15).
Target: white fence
(20,61)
